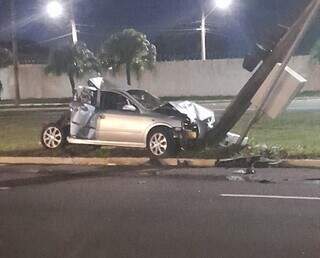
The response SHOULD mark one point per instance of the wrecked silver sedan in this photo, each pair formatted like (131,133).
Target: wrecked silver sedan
(130,119)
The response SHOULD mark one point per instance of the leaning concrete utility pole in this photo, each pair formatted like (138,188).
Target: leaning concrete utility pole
(284,50)
(15,51)
(286,60)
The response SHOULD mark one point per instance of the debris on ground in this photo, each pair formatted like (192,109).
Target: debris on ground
(235,178)
(265,181)
(248,171)
(240,171)
(247,162)
(313,181)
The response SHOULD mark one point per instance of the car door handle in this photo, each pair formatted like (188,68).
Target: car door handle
(102,116)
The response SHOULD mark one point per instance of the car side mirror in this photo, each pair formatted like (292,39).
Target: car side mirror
(130,108)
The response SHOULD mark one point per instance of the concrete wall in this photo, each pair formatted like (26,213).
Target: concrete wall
(186,78)
(180,78)
(34,83)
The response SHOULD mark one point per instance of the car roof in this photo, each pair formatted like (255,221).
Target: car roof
(128,95)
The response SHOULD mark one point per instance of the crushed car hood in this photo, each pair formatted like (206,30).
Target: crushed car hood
(194,111)
(204,118)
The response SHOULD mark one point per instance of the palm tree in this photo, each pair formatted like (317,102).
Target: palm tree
(130,48)
(5,57)
(74,61)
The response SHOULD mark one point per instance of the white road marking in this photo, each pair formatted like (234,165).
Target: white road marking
(4,188)
(270,197)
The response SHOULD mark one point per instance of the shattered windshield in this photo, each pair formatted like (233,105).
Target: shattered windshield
(146,99)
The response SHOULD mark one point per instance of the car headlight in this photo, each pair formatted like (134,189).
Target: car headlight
(186,123)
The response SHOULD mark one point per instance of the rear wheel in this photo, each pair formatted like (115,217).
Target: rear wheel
(160,143)
(53,137)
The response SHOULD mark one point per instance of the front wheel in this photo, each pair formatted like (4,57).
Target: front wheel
(53,137)
(160,143)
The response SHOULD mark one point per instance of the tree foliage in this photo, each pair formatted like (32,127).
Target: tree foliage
(5,57)
(74,61)
(131,49)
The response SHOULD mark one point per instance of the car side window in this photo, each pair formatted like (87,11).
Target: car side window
(112,101)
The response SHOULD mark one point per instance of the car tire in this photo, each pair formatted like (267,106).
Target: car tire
(53,137)
(160,143)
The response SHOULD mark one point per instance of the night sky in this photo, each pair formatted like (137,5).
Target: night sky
(230,32)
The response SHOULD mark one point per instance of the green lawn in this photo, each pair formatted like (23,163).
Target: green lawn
(296,132)
(20,131)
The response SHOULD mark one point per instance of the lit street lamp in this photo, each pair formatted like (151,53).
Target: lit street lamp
(223,4)
(55,10)
(218,4)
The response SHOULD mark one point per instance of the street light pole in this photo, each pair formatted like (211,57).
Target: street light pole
(218,4)
(73,24)
(74,32)
(203,37)
(15,51)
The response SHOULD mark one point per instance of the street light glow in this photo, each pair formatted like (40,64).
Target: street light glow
(54,9)
(223,4)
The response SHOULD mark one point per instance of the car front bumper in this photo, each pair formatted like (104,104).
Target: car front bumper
(185,137)
(185,134)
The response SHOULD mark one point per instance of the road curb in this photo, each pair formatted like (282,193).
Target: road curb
(74,161)
(300,163)
(106,161)
(134,162)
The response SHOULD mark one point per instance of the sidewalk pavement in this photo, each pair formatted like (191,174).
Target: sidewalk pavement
(34,107)
(66,104)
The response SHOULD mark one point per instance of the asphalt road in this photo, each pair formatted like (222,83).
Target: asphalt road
(299,104)
(98,212)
